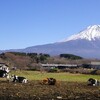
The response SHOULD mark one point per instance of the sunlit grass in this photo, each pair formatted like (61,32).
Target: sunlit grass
(36,75)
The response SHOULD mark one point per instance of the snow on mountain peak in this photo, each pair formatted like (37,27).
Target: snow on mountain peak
(94,27)
(90,33)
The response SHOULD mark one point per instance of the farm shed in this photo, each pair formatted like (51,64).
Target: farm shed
(59,66)
(95,65)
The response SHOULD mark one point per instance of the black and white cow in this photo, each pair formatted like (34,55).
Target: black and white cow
(14,78)
(3,73)
(20,79)
(93,82)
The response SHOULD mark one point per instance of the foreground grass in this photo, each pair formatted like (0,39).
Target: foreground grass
(36,75)
(69,87)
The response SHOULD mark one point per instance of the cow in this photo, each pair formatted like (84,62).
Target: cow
(15,78)
(21,79)
(3,73)
(9,78)
(49,81)
(93,82)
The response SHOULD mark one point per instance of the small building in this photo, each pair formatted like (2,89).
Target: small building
(95,65)
(59,66)
(4,67)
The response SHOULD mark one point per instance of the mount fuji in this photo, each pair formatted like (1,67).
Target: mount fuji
(85,44)
(90,33)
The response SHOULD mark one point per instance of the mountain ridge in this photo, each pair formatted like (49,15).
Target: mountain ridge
(85,44)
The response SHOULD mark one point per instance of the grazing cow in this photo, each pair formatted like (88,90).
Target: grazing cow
(14,78)
(3,73)
(49,81)
(21,79)
(93,82)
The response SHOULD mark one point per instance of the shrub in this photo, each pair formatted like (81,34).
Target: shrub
(53,70)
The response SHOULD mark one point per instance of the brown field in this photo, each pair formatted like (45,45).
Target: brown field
(34,90)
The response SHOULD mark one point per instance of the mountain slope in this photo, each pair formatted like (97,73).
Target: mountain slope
(77,47)
(86,44)
(90,33)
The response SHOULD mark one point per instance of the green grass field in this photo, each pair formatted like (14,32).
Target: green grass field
(36,75)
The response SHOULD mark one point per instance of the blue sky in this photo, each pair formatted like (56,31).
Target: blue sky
(25,23)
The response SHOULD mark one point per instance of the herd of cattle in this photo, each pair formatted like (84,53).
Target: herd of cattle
(48,81)
(12,78)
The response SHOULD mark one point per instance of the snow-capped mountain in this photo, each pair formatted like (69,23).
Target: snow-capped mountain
(86,44)
(90,33)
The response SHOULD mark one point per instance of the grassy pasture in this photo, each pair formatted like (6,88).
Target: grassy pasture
(69,87)
(35,75)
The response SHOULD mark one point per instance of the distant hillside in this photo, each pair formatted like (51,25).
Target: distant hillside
(23,60)
(70,56)
(33,60)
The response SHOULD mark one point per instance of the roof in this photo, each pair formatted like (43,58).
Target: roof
(95,63)
(69,65)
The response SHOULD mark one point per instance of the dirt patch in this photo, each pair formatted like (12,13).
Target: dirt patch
(34,90)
